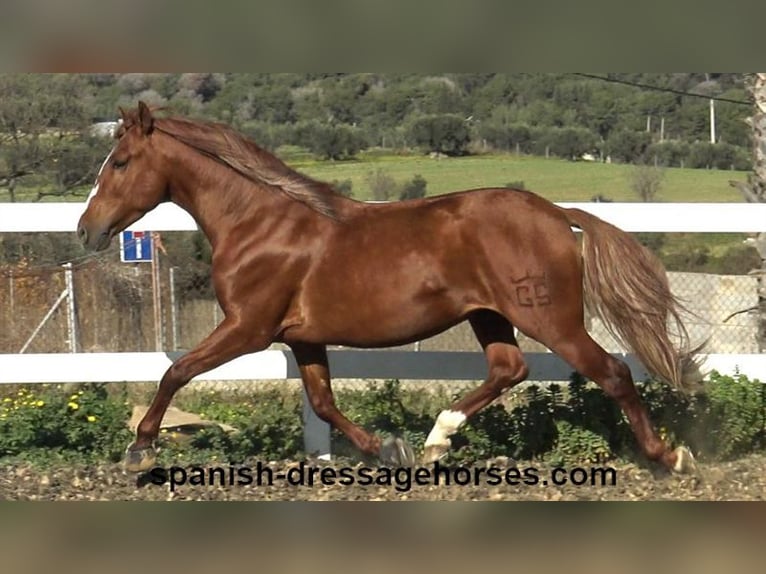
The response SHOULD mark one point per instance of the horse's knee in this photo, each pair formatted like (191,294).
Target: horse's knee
(176,376)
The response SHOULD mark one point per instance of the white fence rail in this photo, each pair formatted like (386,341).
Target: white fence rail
(649,217)
(126,367)
(344,364)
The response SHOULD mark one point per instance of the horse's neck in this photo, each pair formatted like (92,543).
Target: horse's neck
(218,199)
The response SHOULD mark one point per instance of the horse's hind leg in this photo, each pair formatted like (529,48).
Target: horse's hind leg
(315,373)
(506,368)
(614,377)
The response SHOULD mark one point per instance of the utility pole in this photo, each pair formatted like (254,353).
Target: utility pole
(156,295)
(712,114)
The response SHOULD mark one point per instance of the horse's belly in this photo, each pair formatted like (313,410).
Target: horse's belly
(375,321)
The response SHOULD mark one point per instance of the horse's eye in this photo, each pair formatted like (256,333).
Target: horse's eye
(119,164)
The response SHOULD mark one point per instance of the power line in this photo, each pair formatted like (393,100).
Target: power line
(660,89)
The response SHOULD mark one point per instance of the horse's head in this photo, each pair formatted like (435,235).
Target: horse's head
(129,184)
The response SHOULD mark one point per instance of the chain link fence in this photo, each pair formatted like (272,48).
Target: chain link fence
(170,305)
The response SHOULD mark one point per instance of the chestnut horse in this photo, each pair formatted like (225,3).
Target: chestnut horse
(296,262)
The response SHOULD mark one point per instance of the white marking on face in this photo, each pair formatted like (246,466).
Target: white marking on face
(94,191)
(447,424)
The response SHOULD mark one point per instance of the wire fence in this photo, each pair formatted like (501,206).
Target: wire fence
(169,305)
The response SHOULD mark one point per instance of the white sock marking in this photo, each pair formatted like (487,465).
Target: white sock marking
(447,424)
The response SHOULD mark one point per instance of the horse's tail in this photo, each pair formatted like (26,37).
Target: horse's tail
(625,285)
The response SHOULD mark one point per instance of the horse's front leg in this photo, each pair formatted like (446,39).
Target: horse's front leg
(315,373)
(228,341)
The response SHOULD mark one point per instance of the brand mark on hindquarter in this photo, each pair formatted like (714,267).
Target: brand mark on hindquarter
(532,290)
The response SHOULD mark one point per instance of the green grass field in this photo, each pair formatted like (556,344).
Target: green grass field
(555,179)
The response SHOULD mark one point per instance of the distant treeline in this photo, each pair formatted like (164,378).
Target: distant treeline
(48,146)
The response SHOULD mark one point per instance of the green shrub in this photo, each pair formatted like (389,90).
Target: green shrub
(733,414)
(270,428)
(488,434)
(580,445)
(533,431)
(562,424)
(413,189)
(87,422)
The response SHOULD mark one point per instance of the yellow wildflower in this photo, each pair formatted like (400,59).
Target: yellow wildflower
(72,405)
(7,400)
(40,403)
(91,419)
(74,397)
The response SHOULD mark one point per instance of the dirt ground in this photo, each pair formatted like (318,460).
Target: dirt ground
(742,479)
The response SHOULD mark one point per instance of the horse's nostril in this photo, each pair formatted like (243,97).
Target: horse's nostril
(82,233)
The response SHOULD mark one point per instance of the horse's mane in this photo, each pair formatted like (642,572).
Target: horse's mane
(225,145)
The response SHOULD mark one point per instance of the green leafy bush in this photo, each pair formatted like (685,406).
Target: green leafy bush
(734,413)
(576,444)
(86,422)
(269,427)
(563,424)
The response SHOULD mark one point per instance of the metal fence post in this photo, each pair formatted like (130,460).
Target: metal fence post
(71,316)
(173,309)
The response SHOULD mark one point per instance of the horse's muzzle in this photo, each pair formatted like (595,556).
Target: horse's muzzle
(82,234)
(93,241)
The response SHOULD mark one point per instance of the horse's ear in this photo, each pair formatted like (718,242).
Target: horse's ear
(123,113)
(145,118)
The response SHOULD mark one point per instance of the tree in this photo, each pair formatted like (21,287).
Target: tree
(670,153)
(330,141)
(44,122)
(506,136)
(571,143)
(203,86)
(446,133)
(627,145)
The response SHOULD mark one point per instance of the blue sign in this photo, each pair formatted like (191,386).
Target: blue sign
(135,246)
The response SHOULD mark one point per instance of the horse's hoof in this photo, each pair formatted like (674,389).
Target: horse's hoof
(139,459)
(395,451)
(434,452)
(685,463)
